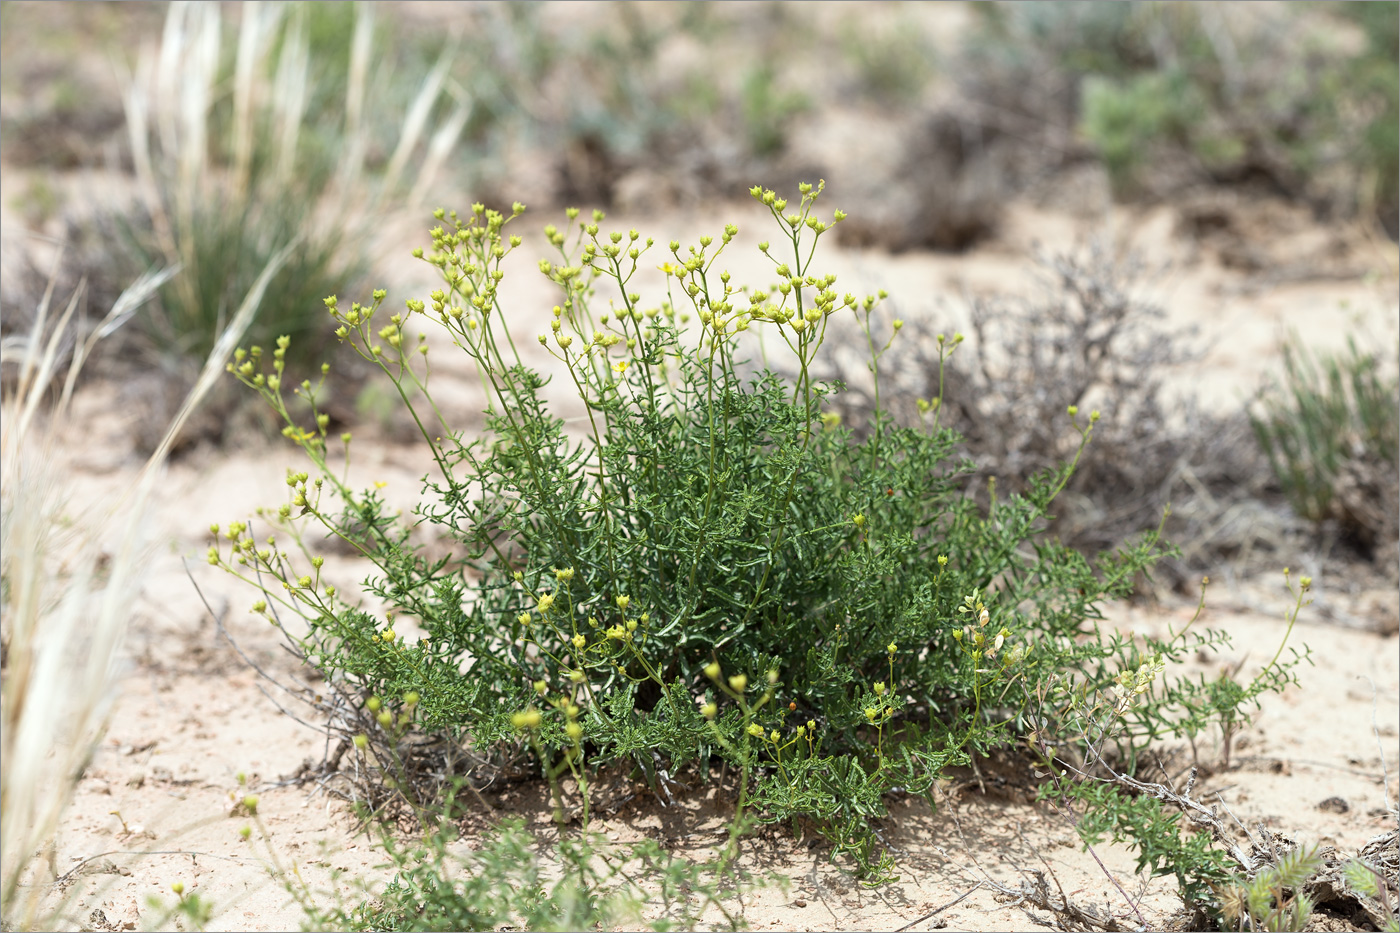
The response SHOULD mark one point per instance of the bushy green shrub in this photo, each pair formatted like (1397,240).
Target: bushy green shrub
(716,569)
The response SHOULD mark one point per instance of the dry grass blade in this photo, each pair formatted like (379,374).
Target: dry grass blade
(416,121)
(67,599)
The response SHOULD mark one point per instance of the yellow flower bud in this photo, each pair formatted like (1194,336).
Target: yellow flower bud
(738,683)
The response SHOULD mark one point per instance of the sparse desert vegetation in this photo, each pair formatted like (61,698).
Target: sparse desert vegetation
(563,466)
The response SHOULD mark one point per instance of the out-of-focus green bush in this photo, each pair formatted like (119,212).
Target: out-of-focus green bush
(1301,99)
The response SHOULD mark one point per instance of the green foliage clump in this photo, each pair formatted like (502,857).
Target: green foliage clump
(714,569)
(1332,414)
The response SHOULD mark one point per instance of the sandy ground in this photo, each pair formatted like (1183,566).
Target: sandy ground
(156,804)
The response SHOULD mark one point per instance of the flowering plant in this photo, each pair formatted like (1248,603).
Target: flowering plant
(717,568)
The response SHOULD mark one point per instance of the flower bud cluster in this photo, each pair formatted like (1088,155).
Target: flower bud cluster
(1129,685)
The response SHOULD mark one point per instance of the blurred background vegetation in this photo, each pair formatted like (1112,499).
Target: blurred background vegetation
(219,135)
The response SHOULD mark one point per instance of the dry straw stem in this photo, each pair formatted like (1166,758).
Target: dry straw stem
(69,584)
(169,99)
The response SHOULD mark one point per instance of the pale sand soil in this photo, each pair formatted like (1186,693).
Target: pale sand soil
(192,714)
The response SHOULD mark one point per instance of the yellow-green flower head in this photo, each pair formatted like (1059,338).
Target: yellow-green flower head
(623,602)
(712,670)
(526,719)
(564,575)
(871,712)
(579,641)
(709,710)
(576,675)
(879,689)
(755,730)
(574,731)
(774,737)
(545,602)
(738,683)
